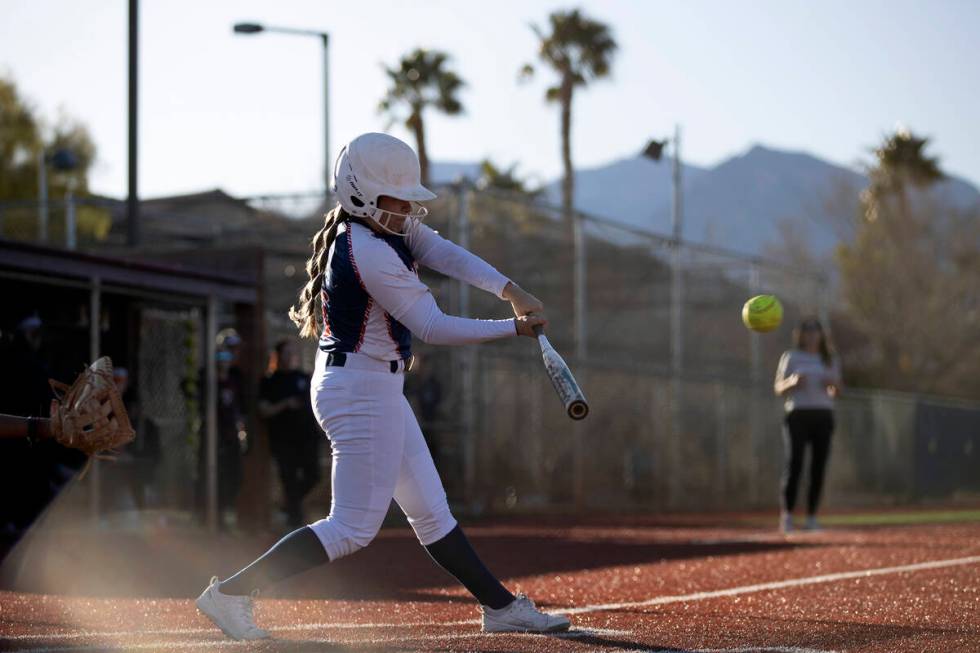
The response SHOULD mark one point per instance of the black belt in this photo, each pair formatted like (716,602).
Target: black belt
(339,359)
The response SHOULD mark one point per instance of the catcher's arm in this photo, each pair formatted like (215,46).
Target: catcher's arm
(14,426)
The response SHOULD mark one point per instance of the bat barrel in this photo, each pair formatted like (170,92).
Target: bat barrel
(561,378)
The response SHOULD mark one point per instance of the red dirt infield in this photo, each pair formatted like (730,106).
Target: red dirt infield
(630,584)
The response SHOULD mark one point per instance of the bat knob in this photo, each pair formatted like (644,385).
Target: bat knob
(538,329)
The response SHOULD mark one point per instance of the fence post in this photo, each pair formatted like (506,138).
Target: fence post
(676,319)
(755,374)
(536,448)
(463,236)
(581,350)
(70,229)
(467,357)
(676,287)
(211,413)
(676,316)
(578,249)
(755,351)
(94,337)
(42,197)
(722,457)
(676,367)
(674,444)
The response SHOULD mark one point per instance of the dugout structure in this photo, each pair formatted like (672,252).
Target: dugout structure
(159,320)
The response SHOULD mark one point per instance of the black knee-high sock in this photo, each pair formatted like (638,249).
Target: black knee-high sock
(455,555)
(298,551)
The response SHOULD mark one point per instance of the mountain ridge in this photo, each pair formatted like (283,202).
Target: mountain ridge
(745,202)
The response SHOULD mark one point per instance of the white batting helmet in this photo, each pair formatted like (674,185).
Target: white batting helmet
(373,165)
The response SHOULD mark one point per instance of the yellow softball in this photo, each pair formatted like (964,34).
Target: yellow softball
(762,313)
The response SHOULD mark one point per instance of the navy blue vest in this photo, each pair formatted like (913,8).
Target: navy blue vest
(346,302)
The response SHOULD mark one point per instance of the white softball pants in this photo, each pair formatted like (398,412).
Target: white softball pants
(378,454)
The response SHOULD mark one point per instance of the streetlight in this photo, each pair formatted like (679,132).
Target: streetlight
(654,150)
(62,160)
(256,28)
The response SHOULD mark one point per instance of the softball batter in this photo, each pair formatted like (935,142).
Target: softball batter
(364,272)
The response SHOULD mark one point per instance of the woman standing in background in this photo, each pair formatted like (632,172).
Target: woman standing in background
(808,377)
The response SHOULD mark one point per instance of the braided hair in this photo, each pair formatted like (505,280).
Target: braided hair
(303,313)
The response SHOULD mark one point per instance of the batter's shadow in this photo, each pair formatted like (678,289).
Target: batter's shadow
(396,567)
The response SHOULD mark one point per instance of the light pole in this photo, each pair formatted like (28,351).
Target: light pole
(654,150)
(62,160)
(132,194)
(256,28)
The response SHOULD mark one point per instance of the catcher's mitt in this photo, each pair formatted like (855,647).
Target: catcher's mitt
(89,415)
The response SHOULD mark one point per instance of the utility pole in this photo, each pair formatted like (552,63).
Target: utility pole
(654,150)
(676,282)
(327,167)
(132,197)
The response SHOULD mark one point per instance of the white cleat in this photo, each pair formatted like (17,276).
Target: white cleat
(232,614)
(812,524)
(522,617)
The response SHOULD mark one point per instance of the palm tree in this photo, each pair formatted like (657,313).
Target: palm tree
(421,79)
(900,163)
(494,177)
(902,157)
(579,50)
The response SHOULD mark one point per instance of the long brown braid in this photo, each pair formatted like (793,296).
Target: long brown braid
(303,313)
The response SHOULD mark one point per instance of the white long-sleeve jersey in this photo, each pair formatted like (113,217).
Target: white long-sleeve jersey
(373,300)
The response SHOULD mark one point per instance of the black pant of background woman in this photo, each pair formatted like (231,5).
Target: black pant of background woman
(804,427)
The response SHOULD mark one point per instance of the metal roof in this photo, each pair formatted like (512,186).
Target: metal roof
(40,261)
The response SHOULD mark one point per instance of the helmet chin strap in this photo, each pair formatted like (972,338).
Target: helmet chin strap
(412,220)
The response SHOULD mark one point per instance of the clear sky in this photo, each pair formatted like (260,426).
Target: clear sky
(245,113)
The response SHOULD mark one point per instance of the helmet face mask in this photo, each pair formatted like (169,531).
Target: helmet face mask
(412,220)
(375,165)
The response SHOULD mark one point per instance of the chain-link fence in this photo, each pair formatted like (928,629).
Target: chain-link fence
(683,414)
(654,442)
(170,427)
(69,221)
(635,285)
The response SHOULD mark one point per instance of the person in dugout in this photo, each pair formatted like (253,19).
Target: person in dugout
(294,435)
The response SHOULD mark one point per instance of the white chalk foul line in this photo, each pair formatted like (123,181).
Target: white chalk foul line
(776,585)
(82,634)
(660,600)
(391,639)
